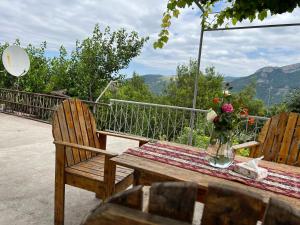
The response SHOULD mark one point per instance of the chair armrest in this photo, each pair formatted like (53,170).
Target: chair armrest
(131,137)
(246,145)
(87,148)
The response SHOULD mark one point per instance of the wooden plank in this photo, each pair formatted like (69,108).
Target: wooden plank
(71,130)
(56,131)
(175,200)
(151,171)
(131,198)
(59,196)
(286,142)
(125,136)
(83,127)
(85,183)
(88,124)
(86,148)
(263,132)
(230,206)
(268,143)
(245,145)
(109,176)
(77,128)
(279,134)
(94,129)
(295,146)
(65,133)
(112,214)
(280,213)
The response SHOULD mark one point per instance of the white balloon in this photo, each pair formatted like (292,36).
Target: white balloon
(15,60)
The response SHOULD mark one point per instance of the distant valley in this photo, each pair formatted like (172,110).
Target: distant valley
(272,83)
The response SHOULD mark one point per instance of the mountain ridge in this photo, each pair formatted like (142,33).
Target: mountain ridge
(272,82)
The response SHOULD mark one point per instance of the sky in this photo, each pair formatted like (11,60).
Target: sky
(233,53)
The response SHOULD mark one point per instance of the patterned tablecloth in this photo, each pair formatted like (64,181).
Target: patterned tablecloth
(277,181)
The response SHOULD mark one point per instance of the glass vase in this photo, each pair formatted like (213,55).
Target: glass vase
(220,151)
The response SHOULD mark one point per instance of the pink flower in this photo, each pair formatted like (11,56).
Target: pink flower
(227,108)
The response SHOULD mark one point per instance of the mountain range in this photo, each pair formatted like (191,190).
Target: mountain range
(272,83)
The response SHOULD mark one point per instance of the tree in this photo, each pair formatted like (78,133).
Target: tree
(236,10)
(180,90)
(6,80)
(246,99)
(134,89)
(99,58)
(60,72)
(293,101)
(38,75)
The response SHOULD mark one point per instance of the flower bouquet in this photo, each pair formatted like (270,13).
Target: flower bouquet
(225,119)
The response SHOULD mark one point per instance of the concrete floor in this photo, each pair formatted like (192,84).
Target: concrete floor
(27,175)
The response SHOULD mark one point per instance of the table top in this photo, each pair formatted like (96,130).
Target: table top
(175,173)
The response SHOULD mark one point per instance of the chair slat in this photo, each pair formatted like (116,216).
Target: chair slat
(280,213)
(83,127)
(287,139)
(267,145)
(65,133)
(77,129)
(279,134)
(295,146)
(228,206)
(71,130)
(89,127)
(173,200)
(264,131)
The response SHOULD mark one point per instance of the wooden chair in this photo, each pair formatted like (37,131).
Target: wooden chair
(81,158)
(280,213)
(226,205)
(169,204)
(278,141)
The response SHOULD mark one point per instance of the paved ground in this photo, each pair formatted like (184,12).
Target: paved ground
(27,175)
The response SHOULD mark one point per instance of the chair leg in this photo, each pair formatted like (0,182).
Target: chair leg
(59,210)
(59,195)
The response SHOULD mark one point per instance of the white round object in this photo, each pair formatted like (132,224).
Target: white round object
(15,60)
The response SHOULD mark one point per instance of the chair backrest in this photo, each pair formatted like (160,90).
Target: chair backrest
(73,122)
(280,139)
(281,213)
(230,205)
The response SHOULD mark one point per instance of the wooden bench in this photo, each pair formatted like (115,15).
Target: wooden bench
(173,203)
(81,156)
(278,141)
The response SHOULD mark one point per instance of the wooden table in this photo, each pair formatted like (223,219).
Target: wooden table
(149,171)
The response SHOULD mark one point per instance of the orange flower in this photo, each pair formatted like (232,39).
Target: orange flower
(244,112)
(251,120)
(216,100)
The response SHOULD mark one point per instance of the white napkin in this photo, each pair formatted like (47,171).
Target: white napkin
(251,169)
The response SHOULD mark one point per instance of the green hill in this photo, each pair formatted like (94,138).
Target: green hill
(272,83)
(156,82)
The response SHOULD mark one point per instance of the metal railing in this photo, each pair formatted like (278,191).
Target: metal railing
(154,121)
(169,123)
(41,106)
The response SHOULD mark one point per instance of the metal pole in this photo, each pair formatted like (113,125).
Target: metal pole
(253,27)
(192,121)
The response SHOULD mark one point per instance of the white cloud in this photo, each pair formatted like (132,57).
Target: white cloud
(239,52)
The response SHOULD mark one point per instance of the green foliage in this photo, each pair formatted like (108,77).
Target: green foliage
(293,101)
(246,99)
(99,58)
(180,90)
(199,139)
(94,62)
(133,89)
(236,10)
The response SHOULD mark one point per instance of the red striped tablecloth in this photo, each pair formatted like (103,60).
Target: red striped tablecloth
(277,181)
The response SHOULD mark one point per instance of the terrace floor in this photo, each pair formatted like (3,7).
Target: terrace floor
(27,175)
